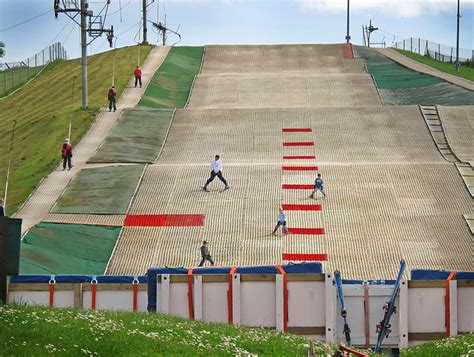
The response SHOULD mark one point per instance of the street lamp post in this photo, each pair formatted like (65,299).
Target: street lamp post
(348,37)
(457,37)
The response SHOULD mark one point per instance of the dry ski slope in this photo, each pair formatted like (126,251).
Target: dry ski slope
(390,193)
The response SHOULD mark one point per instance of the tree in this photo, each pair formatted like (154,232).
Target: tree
(2,49)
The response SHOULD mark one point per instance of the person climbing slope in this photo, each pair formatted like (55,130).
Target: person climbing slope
(111,95)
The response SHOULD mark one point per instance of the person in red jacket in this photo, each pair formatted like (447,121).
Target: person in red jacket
(66,152)
(111,95)
(138,76)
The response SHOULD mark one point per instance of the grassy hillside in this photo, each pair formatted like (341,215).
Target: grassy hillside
(43,109)
(464,71)
(36,331)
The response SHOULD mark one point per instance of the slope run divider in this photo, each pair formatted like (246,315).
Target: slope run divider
(171,84)
(194,79)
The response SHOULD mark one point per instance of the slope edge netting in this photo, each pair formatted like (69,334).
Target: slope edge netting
(171,84)
(399,85)
(103,190)
(50,248)
(137,137)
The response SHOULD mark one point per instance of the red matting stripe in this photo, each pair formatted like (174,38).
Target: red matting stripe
(299,168)
(297,130)
(165,220)
(305,257)
(347,51)
(290,207)
(298,143)
(288,186)
(299,157)
(306,230)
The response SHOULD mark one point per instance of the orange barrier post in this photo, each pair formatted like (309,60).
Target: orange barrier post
(51,283)
(135,284)
(230,292)
(447,303)
(285,297)
(93,293)
(190,293)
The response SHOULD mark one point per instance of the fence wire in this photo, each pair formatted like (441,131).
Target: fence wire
(435,50)
(14,74)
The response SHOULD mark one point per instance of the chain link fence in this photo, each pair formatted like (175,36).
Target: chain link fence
(435,50)
(14,74)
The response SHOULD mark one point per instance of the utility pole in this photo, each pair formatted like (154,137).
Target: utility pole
(163,31)
(348,37)
(457,36)
(144,6)
(94,28)
(370,29)
(84,6)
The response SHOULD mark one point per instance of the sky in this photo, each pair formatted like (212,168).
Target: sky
(202,22)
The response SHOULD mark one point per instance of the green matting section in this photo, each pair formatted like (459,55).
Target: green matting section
(51,248)
(103,190)
(171,83)
(399,85)
(137,137)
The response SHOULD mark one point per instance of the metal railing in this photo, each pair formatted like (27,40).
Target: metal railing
(434,50)
(15,74)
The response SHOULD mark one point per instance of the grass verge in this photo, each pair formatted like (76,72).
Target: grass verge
(464,72)
(171,84)
(36,331)
(43,109)
(462,345)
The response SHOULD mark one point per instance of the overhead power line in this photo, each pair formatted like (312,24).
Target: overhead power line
(25,21)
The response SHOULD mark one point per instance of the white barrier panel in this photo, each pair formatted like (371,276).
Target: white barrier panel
(465,313)
(115,297)
(63,295)
(214,298)
(306,304)
(257,300)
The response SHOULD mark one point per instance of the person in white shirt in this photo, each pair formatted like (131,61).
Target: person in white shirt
(281,222)
(216,170)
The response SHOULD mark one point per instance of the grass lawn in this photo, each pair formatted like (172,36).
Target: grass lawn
(462,345)
(42,110)
(464,71)
(37,331)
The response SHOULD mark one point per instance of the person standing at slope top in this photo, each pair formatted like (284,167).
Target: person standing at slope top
(111,95)
(216,170)
(138,76)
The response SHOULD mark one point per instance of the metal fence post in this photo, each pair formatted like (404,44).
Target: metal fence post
(419,46)
(411,44)
(403,45)
(28,69)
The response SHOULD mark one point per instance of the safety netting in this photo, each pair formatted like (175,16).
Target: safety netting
(101,190)
(136,138)
(399,85)
(52,248)
(171,83)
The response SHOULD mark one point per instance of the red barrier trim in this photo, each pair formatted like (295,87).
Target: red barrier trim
(306,230)
(299,157)
(305,257)
(296,130)
(288,186)
(298,143)
(230,311)
(52,283)
(190,293)
(285,297)
(352,351)
(366,315)
(135,296)
(447,303)
(164,220)
(299,168)
(93,294)
(292,207)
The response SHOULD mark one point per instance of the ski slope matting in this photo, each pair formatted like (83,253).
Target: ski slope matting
(390,194)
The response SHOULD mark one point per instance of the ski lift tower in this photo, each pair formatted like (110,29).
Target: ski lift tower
(90,25)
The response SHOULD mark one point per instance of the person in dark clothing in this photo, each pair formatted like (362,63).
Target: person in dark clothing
(205,254)
(138,76)
(216,170)
(2,209)
(66,152)
(318,186)
(111,95)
